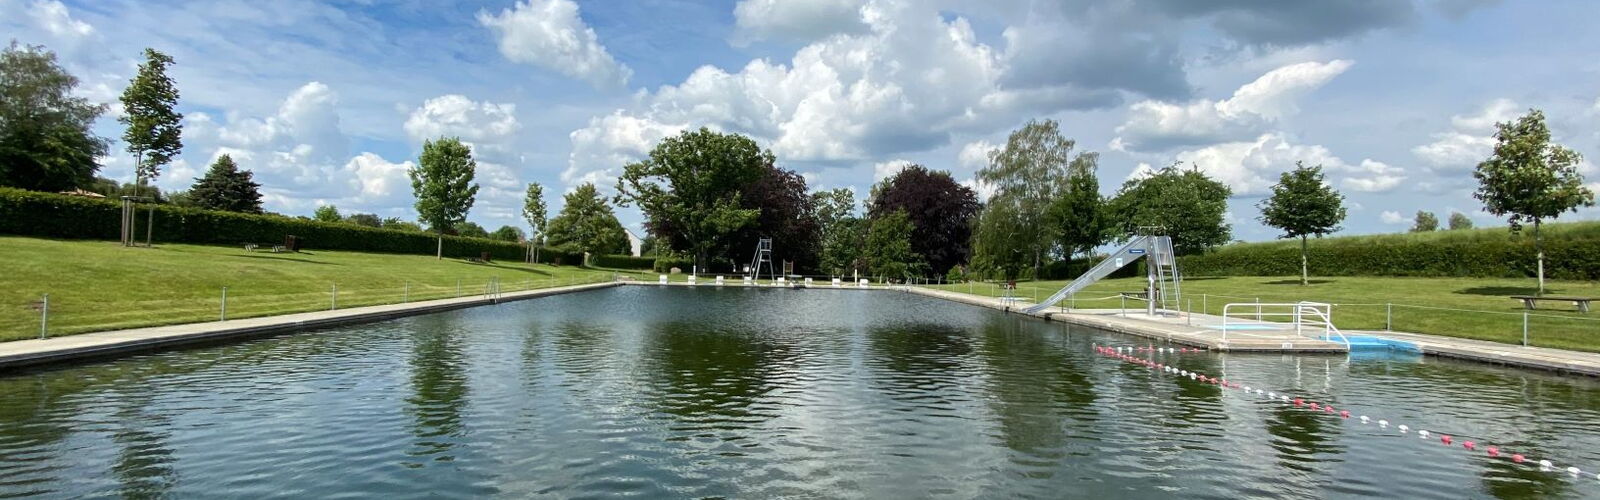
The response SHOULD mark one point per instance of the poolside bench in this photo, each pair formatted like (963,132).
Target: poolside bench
(1529,301)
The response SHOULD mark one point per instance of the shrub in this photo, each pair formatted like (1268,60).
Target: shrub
(622,261)
(50,215)
(665,264)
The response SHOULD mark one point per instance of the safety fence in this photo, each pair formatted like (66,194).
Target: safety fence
(65,314)
(1541,328)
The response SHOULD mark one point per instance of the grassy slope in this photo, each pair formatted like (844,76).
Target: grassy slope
(97,285)
(1361,303)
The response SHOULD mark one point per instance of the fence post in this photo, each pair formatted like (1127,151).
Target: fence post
(458,287)
(1188,319)
(1203,307)
(224,315)
(333,299)
(1258,308)
(1524,328)
(405,296)
(1388,317)
(44,316)
(1123,309)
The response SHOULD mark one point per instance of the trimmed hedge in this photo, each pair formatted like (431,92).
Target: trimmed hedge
(622,261)
(665,264)
(1071,269)
(1574,259)
(49,215)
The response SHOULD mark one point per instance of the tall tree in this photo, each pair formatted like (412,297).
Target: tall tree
(1303,204)
(507,233)
(1078,213)
(941,212)
(1459,220)
(442,182)
(1424,222)
(1027,174)
(225,187)
(996,249)
(533,211)
(154,128)
(587,224)
(888,246)
(1530,178)
(364,219)
(1187,204)
(689,189)
(327,213)
(840,231)
(785,214)
(45,138)
(471,229)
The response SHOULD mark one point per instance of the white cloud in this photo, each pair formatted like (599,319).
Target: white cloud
(1251,167)
(795,19)
(975,155)
(886,169)
(1373,177)
(54,18)
(455,115)
(1392,217)
(983,189)
(1156,125)
(1470,140)
(550,34)
(908,84)
(600,150)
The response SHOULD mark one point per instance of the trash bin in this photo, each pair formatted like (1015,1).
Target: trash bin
(291,243)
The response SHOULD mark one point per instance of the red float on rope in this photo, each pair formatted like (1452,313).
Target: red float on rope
(1445,439)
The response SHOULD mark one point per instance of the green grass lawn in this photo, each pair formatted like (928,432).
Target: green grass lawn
(98,285)
(1360,303)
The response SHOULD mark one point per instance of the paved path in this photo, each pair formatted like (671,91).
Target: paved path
(31,352)
(1195,332)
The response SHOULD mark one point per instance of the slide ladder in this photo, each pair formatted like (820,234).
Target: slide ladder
(1163,277)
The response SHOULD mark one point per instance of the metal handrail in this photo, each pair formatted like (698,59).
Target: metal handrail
(1322,312)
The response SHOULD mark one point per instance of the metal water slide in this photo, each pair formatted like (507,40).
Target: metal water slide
(1164,283)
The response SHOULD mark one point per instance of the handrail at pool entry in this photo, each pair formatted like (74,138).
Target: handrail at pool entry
(1303,314)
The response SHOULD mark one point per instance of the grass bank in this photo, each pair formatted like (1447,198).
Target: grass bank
(99,285)
(1437,306)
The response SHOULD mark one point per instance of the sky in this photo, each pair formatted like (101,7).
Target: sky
(328,102)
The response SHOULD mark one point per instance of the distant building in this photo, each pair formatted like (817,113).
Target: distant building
(635,243)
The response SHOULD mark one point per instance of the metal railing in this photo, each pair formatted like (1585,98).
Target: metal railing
(1303,316)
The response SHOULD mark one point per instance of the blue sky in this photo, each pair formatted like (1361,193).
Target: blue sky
(328,101)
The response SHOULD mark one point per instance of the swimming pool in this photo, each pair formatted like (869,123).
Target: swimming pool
(695,392)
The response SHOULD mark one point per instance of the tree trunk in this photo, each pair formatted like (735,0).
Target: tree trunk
(1303,280)
(535,244)
(439,250)
(1538,245)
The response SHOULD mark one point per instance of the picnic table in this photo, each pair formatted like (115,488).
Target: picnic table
(1529,301)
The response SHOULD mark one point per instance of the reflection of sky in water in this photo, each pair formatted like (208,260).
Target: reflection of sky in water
(759,393)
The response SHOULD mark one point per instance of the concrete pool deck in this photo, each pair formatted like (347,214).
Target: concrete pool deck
(1198,331)
(20,353)
(1201,331)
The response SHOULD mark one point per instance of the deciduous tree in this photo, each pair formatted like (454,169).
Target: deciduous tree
(154,127)
(507,233)
(689,189)
(941,212)
(888,247)
(587,224)
(840,230)
(45,138)
(1028,173)
(327,213)
(442,182)
(1530,178)
(1187,204)
(1459,220)
(1078,213)
(1424,222)
(1303,204)
(533,211)
(785,214)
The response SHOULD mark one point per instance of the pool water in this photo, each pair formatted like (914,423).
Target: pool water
(755,393)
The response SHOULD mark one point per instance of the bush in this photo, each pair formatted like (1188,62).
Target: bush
(622,261)
(664,264)
(1573,254)
(50,215)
